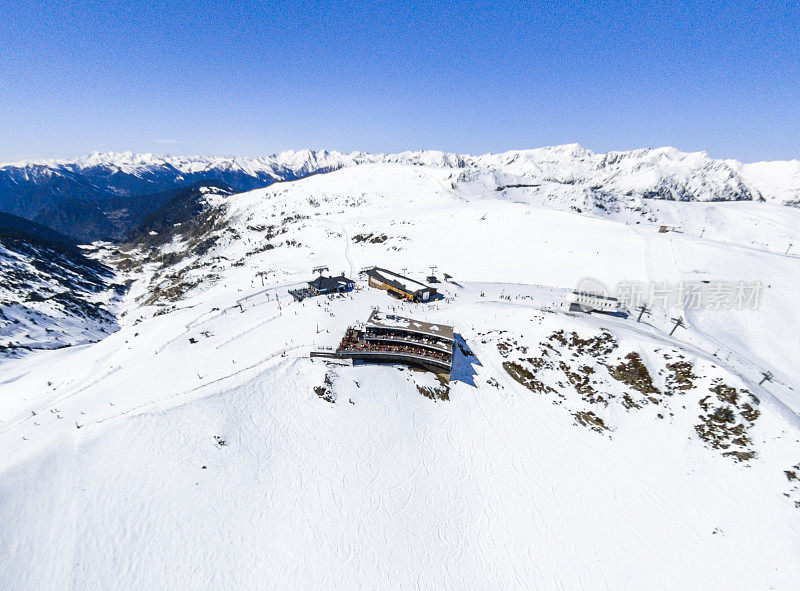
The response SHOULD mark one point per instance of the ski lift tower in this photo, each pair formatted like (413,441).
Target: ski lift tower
(319,269)
(678,322)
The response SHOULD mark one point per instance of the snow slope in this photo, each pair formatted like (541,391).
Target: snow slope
(52,293)
(200,447)
(777,181)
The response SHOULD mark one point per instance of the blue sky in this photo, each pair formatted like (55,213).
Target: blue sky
(465,76)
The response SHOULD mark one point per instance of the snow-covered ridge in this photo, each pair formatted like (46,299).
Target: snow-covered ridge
(51,298)
(665,173)
(587,444)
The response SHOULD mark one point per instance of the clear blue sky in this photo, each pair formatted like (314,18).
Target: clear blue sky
(467,76)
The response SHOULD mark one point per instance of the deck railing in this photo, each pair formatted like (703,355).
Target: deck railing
(419,342)
(356,353)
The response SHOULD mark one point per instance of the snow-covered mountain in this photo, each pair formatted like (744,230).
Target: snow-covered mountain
(51,294)
(777,181)
(199,446)
(105,195)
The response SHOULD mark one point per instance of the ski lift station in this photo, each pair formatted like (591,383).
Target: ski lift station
(323,285)
(399,286)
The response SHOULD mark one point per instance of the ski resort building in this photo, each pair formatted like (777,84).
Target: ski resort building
(400,286)
(387,338)
(323,285)
(338,284)
(587,301)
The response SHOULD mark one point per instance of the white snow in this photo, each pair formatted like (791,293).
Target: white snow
(778,181)
(114,476)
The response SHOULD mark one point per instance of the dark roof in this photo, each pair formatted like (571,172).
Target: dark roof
(323,283)
(397,281)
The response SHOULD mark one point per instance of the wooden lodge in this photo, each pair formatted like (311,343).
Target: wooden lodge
(399,286)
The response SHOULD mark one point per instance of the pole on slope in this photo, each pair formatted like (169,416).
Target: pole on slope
(642,311)
(678,322)
(767,377)
(788,248)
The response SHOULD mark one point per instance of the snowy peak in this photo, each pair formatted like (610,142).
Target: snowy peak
(662,173)
(114,188)
(777,181)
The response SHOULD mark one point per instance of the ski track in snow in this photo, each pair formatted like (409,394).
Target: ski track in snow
(126,485)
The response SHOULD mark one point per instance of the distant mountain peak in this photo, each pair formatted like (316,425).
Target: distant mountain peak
(111,188)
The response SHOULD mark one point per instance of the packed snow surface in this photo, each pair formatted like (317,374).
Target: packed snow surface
(200,447)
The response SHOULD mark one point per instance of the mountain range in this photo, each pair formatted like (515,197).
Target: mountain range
(106,195)
(171,415)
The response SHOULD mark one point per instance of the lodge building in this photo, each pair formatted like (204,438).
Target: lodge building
(323,285)
(399,286)
(387,338)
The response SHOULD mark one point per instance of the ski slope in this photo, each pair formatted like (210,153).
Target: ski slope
(191,448)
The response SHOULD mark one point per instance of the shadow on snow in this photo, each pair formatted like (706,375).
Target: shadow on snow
(464,362)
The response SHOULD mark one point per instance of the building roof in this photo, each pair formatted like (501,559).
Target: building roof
(381,320)
(398,281)
(593,300)
(323,283)
(589,295)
